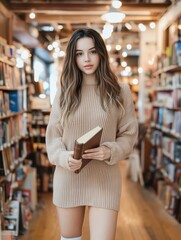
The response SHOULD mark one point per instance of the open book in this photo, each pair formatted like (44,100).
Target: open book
(89,140)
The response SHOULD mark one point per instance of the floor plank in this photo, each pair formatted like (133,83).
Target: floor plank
(141,217)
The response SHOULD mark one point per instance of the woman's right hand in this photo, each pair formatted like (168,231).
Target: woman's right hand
(74,164)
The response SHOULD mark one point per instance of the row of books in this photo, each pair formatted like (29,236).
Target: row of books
(11,76)
(6,50)
(38,117)
(169,80)
(156,137)
(176,53)
(167,120)
(164,145)
(170,198)
(171,172)
(172,148)
(172,56)
(44,181)
(45,170)
(42,158)
(39,140)
(167,190)
(12,156)
(169,99)
(38,131)
(12,129)
(23,201)
(13,101)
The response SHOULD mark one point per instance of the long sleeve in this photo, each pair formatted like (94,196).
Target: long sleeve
(127,130)
(57,153)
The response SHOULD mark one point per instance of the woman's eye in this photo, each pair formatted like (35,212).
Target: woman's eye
(93,52)
(78,54)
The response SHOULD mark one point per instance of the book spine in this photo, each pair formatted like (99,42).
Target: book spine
(78,149)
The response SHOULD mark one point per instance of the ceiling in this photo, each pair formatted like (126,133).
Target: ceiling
(74,14)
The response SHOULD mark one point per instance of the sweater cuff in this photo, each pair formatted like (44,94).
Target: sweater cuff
(63,159)
(109,161)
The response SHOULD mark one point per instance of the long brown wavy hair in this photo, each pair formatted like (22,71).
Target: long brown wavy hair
(71,78)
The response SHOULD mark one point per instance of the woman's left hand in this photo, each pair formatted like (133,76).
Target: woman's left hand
(100,153)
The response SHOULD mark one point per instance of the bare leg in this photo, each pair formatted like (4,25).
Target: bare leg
(103,223)
(71,221)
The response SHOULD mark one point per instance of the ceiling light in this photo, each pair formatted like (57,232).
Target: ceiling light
(116,4)
(113,16)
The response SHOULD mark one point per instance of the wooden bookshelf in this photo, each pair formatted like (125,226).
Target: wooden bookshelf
(14,138)
(37,123)
(165,153)
(168,69)
(165,124)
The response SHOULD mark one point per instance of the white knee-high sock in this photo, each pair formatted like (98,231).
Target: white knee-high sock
(77,238)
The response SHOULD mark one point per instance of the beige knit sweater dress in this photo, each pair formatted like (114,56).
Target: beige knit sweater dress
(99,183)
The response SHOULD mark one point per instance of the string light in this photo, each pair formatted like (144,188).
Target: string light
(152,25)
(142,27)
(32,14)
(124,64)
(124,54)
(118,47)
(129,46)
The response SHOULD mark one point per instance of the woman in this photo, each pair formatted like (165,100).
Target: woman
(89,96)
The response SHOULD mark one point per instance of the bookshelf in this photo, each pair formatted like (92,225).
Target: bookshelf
(15,143)
(37,123)
(165,153)
(164,170)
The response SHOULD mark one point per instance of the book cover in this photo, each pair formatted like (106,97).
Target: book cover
(176,53)
(2,78)
(14,105)
(11,217)
(89,140)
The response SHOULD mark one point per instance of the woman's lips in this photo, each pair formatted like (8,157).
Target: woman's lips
(88,66)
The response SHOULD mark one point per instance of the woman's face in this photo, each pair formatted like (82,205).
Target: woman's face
(87,58)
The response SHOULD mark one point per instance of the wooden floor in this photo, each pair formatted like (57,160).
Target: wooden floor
(141,217)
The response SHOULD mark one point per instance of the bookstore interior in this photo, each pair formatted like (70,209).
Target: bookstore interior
(143,39)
